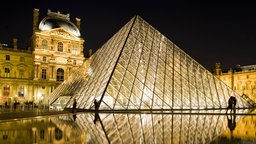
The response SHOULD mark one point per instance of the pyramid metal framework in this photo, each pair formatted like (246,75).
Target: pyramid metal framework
(139,68)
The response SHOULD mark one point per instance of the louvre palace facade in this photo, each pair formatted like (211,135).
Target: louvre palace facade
(55,50)
(242,79)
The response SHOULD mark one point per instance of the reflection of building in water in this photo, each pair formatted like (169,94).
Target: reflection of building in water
(245,130)
(242,79)
(41,130)
(116,128)
(54,52)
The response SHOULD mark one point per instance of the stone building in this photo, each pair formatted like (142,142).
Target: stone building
(55,50)
(242,79)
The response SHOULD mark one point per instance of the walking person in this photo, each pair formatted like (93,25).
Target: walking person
(96,105)
(74,106)
(96,116)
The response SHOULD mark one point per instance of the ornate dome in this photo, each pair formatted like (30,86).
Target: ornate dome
(57,20)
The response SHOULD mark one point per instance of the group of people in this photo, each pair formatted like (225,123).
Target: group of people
(231,118)
(231,104)
(96,106)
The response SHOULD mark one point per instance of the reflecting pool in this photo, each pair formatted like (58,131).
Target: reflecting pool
(177,127)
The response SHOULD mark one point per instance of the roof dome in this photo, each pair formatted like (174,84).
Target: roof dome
(57,20)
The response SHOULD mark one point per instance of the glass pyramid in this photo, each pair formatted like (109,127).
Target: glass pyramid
(138,68)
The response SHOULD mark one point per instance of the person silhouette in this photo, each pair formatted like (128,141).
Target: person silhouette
(74,106)
(96,116)
(74,117)
(96,105)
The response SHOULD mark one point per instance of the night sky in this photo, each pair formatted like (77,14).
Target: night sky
(208,32)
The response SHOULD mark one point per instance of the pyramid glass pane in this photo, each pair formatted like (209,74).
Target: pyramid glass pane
(140,69)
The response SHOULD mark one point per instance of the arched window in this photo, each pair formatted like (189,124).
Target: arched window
(58,134)
(60,74)
(60,46)
(44,44)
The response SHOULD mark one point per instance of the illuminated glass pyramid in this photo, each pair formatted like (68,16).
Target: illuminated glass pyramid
(140,69)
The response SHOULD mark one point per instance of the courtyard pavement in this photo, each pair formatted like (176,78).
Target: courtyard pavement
(10,114)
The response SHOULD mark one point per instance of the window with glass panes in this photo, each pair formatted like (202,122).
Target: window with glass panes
(60,74)
(44,44)
(60,46)
(21,73)
(7,72)
(21,91)
(44,74)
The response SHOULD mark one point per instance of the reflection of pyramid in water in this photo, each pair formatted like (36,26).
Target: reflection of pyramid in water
(139,68)
(163,128)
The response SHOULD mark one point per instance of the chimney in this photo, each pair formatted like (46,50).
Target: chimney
(78,22)
(217,69)
(35,20)
(15,46)
(90,52)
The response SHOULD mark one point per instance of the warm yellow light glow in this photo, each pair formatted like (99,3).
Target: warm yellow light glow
(90,71)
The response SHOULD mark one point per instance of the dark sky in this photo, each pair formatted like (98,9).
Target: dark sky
(208,32)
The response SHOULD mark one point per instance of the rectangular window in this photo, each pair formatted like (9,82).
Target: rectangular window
(60,47)
(21,91)
(42,134)
(7,90)
(21,73)
(75,50)
(7,72)
(7,57)
(22,59)
(44,74)
(44,44)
